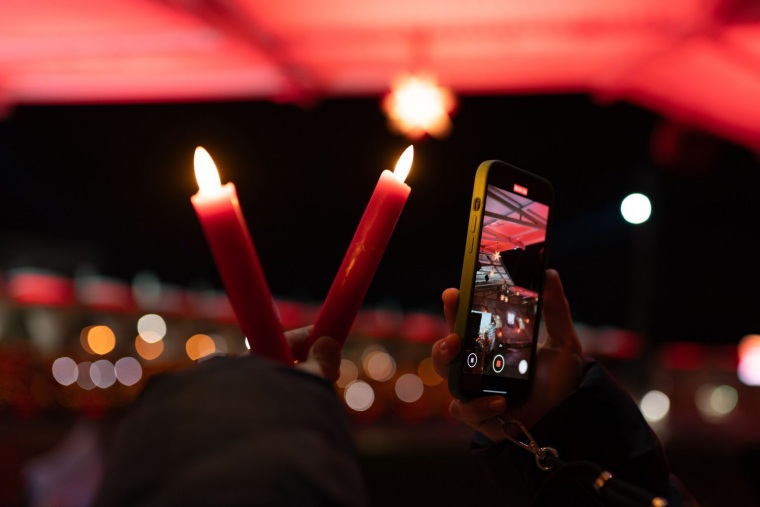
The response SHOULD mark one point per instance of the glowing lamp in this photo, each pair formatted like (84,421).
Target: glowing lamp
(749,360)
(655,406)
(636,208)
(417,105)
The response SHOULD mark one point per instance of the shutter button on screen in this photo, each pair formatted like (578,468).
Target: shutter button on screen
(498,363)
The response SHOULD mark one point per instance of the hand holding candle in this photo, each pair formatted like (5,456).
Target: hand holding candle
(236,260)
(364,253)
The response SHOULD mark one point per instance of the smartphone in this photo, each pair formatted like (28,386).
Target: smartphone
(502,282)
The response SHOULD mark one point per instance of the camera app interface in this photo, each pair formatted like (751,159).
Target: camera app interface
(502,322)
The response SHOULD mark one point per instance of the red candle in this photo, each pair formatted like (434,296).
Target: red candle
(364,253)
(227,234)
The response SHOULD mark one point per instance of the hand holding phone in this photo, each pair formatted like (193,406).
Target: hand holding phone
(558,368)
(500,293)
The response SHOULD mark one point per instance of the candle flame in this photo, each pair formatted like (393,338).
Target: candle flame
(206,173)
(404,164)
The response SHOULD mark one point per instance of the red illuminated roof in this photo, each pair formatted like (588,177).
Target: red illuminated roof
(696,61)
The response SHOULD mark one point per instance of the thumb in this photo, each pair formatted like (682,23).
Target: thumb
(557,316)
(324,358)
(450,299)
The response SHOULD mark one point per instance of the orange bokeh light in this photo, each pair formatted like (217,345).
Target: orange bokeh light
(101,339)
(199,345)
(83,337)
(148,350)
(749,345)
(428,375)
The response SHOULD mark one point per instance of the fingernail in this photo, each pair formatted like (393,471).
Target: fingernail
(442,345)
(498,405)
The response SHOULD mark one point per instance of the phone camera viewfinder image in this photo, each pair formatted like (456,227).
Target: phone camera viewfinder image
(501,327)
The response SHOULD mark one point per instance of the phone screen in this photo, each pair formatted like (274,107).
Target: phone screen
(504,314)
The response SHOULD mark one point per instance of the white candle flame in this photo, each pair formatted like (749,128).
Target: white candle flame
(404,164)
(206,173)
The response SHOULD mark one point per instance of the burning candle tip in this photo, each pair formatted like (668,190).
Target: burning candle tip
(404,164)
(206,173)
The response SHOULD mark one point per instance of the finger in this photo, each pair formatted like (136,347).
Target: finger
(297,339)
(324,358)
(557,316)
(450,304)
(480,413)
(326,352)
(444,351)
(295,336)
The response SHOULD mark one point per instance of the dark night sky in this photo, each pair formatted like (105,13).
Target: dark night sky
(115,182)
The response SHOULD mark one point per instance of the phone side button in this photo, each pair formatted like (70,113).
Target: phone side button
(473,223)
(471,244)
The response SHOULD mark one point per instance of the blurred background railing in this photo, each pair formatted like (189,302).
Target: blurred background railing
(75,353)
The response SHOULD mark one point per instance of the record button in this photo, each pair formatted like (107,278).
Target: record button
(498,363)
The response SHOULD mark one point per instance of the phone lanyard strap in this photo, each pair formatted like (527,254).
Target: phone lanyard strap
(546,457)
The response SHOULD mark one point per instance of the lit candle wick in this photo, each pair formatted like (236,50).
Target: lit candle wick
(404,164)
(206,173)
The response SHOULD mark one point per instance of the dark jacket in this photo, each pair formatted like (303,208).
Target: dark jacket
(234,431)
(597,428)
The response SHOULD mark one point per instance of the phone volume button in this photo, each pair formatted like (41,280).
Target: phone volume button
(473,223)
(471,244)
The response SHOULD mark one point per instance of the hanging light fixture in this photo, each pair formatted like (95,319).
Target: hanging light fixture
(417,105)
